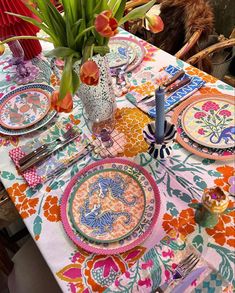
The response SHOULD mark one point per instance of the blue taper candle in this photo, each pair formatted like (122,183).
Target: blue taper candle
(160,115)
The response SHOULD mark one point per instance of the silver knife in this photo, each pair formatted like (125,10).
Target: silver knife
(187,281)
(43,155)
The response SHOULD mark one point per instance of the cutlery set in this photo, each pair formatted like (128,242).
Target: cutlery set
(169,86)
(46,150)
(184,273)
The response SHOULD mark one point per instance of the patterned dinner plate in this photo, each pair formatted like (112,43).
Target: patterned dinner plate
(224,154)
(136,46)
(107,205)
(120,53)
(37,88)
(24,107)
(140,233)
(211,122)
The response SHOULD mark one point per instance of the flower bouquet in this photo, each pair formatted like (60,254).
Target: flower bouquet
(80,32)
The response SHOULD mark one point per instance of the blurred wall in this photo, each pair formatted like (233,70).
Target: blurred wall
(224,11)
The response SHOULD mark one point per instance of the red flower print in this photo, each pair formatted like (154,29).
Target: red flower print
(225,113)
(146,282)
(210,106)
(169,253)
(106,25)
(199,115)
(89,73)
(201,131)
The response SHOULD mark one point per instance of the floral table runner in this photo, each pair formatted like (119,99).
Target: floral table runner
(181,180)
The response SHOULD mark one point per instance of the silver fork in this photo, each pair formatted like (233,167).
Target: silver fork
(44,148)
(44,155)
(182,270)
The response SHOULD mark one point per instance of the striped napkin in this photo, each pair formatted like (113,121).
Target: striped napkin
(174,98)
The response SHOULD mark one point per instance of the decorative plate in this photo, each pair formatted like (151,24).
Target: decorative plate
(120,53)
(143,229)
(23,107)
(31,87)
(136,46)
(211,122)
(107,205)
(194,147)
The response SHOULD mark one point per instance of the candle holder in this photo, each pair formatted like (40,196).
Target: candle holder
(160,151)
(214,203)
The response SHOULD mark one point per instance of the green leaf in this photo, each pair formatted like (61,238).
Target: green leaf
(102,50)
(119,13)
(198,243)
(75,82)
(66,79)
(224,106)
(61,52)
(7,175)
(138,12)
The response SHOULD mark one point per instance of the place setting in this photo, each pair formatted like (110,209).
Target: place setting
(205,126)
(110,206)
(26,109)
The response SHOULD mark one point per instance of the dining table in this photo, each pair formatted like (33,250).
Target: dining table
(181,179)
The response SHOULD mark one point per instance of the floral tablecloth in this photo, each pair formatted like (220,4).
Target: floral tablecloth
(180,178)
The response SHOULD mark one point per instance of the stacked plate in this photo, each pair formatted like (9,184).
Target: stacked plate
(110,206)
(25,109)
(206,126)
(125,50)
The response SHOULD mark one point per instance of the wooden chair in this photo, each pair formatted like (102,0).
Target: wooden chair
(187,23)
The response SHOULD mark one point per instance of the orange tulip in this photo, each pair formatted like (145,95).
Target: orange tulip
(155,23)
(65,105)
(106,25)
(89,73)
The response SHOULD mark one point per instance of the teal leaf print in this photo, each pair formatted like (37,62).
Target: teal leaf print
(145,160)
(131,98)
(177,146)
(173,244)
(214,173)
(228,258)
(207,161)
(31,191)
(57,184)
(225,87)
(198,243)
(37,226)
(7,175)
(180,63)
(156,271)
(172,209)
(199,182)
(74,170)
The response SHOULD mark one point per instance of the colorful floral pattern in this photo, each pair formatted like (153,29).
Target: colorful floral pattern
(180,178)
(95,273)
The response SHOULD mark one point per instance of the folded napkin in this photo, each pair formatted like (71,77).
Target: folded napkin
(155,267)
(174,98)
(55,163)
